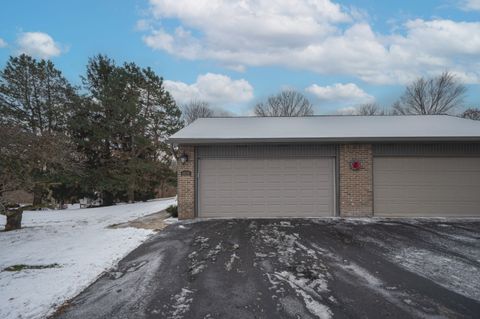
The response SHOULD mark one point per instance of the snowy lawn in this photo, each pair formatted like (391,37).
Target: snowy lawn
(78,240)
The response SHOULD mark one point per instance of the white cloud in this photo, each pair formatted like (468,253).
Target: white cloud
(237,68)
(217,89)
(142,25)
(344,93)
(38,44)
(159,39)
(3,44)
(233,29)
(314,35)
(470,5)
(435,46)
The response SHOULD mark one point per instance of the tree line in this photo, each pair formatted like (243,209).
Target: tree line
(443,94)
(105,138)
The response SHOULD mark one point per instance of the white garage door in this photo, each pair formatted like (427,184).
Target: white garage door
(266,187)
(426,186)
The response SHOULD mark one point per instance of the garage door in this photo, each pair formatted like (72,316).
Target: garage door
(294,187)
(426,186)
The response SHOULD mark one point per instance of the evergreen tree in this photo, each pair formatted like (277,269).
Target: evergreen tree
(122,128)
(34,95)
(35,98)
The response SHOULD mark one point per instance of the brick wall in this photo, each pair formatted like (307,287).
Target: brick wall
(356,186)
(186,184)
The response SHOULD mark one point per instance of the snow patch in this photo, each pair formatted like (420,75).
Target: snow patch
(229,263)
(307,278)
(307,290)
(77,239)
(201,241)
(362,274)
(450,272)
(181,304)
(197,268)
(170,220)
(198,259)
(212,254)
(286,224)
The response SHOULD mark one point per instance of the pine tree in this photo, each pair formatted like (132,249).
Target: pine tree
(122,129)
(35,95)
(36,99)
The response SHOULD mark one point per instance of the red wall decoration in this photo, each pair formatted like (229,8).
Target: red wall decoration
(355,165)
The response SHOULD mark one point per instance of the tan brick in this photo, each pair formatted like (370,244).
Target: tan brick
(186,184)
(356,195)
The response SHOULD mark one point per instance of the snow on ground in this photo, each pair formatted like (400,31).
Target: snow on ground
(181,303)
(452,253)
(79,240)
(170,220)
(451,272)
(307,279)
(304,288)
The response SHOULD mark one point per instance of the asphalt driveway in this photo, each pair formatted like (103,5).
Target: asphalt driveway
(295,268)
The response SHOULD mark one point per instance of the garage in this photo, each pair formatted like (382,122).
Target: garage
(277,180)
(269,187)
(319,166)
(426,186)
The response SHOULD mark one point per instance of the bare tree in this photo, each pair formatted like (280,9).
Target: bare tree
(29,161)
(196,109)
(472,114)
(437,95)
(14,171)
(285,103)
(15,161)
(369,109)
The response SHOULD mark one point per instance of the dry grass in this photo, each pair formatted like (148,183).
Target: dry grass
(153,221)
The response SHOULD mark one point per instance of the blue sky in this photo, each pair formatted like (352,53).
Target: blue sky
(235,53)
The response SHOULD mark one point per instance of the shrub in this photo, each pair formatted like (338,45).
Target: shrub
(172,210)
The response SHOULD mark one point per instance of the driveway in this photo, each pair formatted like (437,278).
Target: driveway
(295,268)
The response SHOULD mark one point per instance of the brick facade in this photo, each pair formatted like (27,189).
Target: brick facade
(356,186)
(186,183)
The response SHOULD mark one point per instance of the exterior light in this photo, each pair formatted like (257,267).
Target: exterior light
(183,158)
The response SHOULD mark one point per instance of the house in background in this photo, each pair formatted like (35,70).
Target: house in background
(389,166)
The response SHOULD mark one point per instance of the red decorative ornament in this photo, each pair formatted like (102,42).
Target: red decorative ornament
(355,165)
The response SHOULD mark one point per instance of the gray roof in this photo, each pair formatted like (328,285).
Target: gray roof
(328,129)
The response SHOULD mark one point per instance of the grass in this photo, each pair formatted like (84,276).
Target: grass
(21,267)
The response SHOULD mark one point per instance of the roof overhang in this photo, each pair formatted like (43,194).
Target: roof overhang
(445,139)
(329,129)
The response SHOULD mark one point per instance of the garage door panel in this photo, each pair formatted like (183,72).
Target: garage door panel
(429,192)
(426,186)
(266,187)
